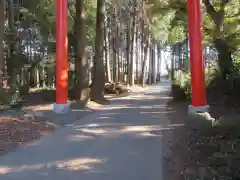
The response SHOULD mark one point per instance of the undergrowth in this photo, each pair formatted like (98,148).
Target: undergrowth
(215,150)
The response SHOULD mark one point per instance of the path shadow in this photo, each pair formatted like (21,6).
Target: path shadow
(133,128)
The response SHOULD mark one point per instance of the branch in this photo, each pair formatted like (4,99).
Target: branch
(210,10)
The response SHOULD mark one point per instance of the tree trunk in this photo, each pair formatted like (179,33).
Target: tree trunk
(118,52)
(137,55)
(114,44)
(173,63)
(150,64)
(33,77)
(128,49)
(154,64)
(132,46)
(2,28)
(50,77)
(106,53)
(81,62)
(159,54)
(43,77)
(11,45)
(225,61)
(144,62)
(98,81)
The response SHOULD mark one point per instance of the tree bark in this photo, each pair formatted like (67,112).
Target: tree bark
(2,28)
(137,55)
(106,52)
(98,81)
(159,54)
(128,49)
(150,64)
(11,45)
(173,63)
(224,50)
(225,62)
(81,62)
(144,62)
(114,44)
(132,44)
(154,64)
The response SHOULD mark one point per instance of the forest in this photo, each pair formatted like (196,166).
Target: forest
(105,46)
(116,42)
(114,45)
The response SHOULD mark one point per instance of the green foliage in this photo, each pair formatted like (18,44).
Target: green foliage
(182,80)
(176,26)
(236,62)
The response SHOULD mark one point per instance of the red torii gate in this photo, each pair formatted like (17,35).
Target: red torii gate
(196,57)
(61,105)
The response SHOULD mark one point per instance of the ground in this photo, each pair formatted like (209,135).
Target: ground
(120,141)
(15,132)
(178,156)
(175,141)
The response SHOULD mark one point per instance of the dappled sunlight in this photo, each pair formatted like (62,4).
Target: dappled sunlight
(102,117)
(109,114)
(148,134)
(176,125)
(82,110)
(4,170)
(159,112)
(140,128)
(112,130)
(90,125)
(145,107)
(80,137)
(142,96)
(93,131)
(79,164)
(115,107)
(102,125)
(71,165)
(159,106)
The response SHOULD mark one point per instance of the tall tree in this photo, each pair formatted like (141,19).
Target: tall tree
(107,50)
(222,45)
(81,60)
(98,81)
(2,27)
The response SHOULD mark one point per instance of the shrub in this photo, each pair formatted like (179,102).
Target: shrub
(182,82)
(181,89)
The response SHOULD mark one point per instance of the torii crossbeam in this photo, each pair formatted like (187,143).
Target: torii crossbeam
(196,56)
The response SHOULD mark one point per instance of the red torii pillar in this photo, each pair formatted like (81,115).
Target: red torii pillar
(196,57)
(61,105)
